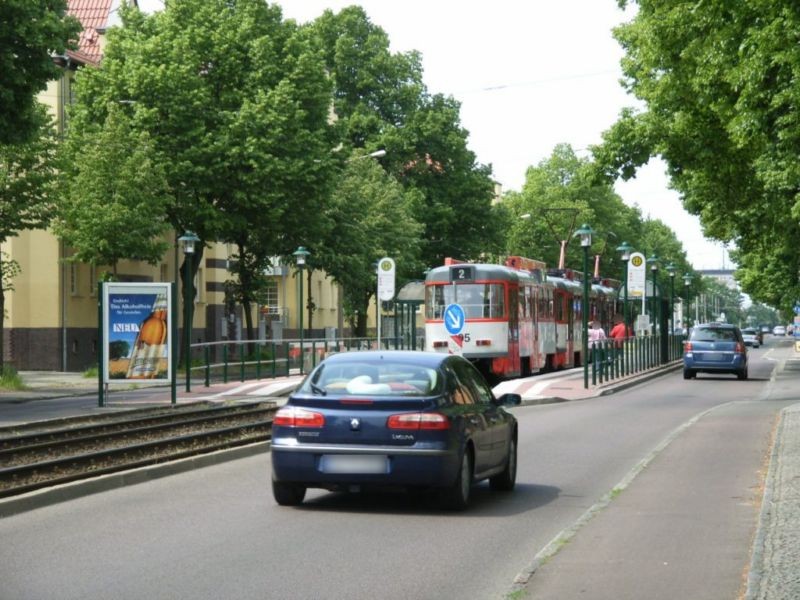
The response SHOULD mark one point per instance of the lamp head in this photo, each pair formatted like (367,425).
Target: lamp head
(671,269)
(653,260)
(300,256)
(687,279)
(188,240)
(585,233)
(625,249)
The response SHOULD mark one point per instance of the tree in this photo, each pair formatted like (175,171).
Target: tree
(27,177)
(717,79)
(32,31)
(560,194)
(381,102)
(372,216)
(115,197)
(235,102)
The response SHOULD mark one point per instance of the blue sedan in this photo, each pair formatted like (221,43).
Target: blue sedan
(393,418)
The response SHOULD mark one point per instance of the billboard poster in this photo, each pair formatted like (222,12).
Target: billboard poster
(136,332)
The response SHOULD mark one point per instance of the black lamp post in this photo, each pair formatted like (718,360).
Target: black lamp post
(300,256)
(585,234)
(672,270)
(188,240)
(687,281)
(653,262)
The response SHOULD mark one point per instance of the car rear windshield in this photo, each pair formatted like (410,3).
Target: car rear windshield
(748,331)
(713,334)
(373,379)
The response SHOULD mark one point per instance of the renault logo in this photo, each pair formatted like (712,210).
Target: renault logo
(355,424)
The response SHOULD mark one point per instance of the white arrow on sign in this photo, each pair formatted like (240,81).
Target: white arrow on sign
(455,321)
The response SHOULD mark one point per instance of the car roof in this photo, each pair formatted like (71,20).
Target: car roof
(417,357)
(716,325)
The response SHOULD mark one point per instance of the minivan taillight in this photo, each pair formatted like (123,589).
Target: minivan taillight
(291,416)
(687,346)
(418,421)
(739,348)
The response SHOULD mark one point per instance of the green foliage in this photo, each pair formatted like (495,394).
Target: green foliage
(381,102)
(115,197)
(372,216)
(10,379)
(234,101)
(32,31)
(91,372)
(719,83)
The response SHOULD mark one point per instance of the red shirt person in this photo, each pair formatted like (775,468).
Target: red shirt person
(619,332)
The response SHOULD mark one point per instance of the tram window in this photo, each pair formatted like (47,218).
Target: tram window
(437,297)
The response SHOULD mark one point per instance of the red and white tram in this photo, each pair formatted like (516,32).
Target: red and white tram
(519,319)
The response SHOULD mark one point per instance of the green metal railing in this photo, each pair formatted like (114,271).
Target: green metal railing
(612,359)
(243,360)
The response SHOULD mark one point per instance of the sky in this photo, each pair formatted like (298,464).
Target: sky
(530,74)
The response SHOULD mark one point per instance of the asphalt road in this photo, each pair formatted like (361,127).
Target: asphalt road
(681,528)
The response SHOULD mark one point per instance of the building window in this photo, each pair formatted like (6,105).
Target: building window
(92,281)
(200,286)
(164,272)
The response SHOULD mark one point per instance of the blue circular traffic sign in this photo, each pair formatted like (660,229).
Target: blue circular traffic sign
(454,319)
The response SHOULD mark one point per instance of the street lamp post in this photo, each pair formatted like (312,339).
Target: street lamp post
(653,262)
(671,269)
(300,256)
(687,281)
(188,241)
(585,233)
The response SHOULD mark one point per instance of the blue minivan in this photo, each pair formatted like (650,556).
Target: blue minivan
(715,348)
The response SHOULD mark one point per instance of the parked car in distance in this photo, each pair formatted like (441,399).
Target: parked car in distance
(765,329)
(394,419)
(715,348)
(751,337)
(779,330)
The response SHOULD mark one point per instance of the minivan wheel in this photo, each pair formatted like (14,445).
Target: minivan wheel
(742,375)
(288,494)
(688,373)
(456,497)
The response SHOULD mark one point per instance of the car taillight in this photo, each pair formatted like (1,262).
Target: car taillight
(739,348)
(290,416)
(418,421)
(687,346)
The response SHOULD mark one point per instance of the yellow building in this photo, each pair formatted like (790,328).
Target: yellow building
(51,321)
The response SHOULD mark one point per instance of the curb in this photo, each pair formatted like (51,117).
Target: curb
(86,487)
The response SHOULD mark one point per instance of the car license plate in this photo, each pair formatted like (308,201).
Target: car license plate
(713,356)
(373,464)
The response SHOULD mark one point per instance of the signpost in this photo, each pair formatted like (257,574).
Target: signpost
(637,277)
(386,277)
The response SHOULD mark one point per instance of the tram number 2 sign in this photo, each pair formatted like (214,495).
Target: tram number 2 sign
(462,274)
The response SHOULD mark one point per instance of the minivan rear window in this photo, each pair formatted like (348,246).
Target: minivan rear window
(713,334)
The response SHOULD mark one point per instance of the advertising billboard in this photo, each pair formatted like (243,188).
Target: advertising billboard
(136,332)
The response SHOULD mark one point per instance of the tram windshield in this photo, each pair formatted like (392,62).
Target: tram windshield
(479,300)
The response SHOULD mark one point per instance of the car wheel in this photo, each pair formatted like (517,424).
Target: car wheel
(456,497)
(742,374)
(688,373)
(288,494)
(504,481)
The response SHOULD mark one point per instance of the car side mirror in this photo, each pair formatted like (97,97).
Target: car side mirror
(509,400)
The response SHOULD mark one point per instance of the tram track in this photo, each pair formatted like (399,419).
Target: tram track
(47,454)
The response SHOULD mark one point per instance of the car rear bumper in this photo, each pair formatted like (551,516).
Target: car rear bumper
(730,364)
(306,464)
